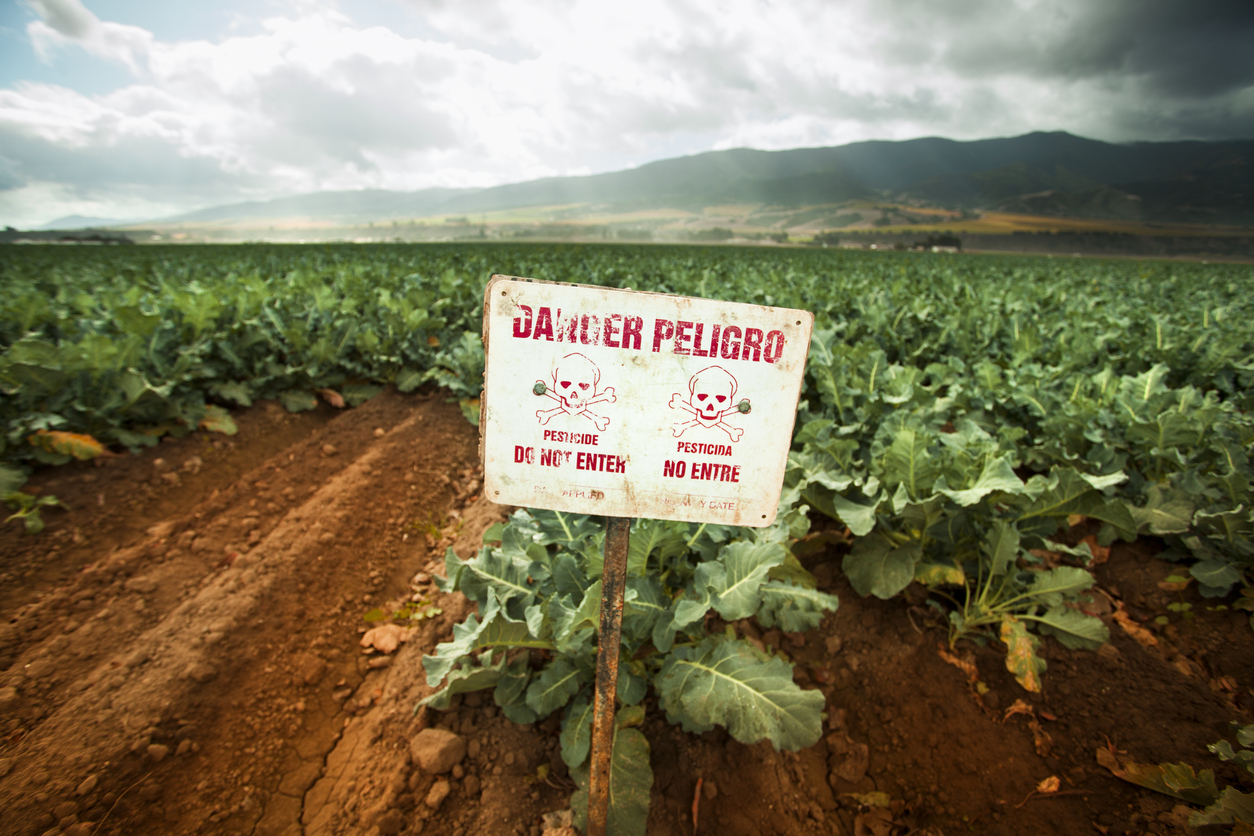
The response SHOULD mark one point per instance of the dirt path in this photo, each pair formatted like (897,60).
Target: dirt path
(180,654)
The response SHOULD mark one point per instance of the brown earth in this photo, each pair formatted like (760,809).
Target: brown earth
(180,653)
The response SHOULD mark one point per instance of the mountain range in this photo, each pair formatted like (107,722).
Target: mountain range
(1053,174)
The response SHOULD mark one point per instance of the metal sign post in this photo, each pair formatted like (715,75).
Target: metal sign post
(626,404)
(613,580)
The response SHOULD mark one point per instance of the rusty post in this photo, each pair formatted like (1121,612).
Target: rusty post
(613,580)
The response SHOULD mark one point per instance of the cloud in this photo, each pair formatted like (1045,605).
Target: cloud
(69,21)
(500,91)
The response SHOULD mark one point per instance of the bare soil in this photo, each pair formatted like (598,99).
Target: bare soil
(180,653)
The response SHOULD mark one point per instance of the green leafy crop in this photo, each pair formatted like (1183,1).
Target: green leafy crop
(534,639)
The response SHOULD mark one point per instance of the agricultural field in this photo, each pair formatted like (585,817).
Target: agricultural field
(1012,574)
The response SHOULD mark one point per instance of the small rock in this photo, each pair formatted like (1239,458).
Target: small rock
(472,785)
(150,791)
(157,752)
(834,644)
(137,657)
(184,747)
(509,758)
(378,663)
(254,537)
(421,578)
(202,672)
(378,432)
(161,530)
(8,697)
(439,792)
(385,638)
(436,750)
(309,668)
(329,449)
(472,748)
(89,783)
(390,823)
(65,809)
(458,772)
(326,537)
(141,584)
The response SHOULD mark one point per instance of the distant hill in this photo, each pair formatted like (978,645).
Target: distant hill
(1039,173)
(79,222)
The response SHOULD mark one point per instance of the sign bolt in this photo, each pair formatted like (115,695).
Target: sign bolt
(744,406)
(539,388)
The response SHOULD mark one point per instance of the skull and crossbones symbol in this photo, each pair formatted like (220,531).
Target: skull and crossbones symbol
(575,381)
(711,395)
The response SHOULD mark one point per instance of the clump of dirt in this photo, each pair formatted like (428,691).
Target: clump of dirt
(181,652)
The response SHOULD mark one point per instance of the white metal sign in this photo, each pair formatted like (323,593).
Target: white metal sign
(633,404)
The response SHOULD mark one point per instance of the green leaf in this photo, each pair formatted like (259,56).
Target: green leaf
(859,518)
(1066,492)
(794,608)
(408,379)
(577,731)
(1021,658)
(492,570)
(470,636)
(998,475)
(631,779)
(511,690)
(1001,546)
(939,574)
(574,627)
(1216,573)
(736,578)
(1174,779)
(218,420)
(875,567)
(729,682)
(555,685)
(234,391)
(356,394)
(908,461)
(11,480)
(1073,628)
(1166,512)
(630,689)
(1052,586)
(1232,806)
(298,400)
(469,678)
(648,536)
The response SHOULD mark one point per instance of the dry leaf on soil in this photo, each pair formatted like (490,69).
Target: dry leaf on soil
(332,397)
(1050,784)
(1019,707)
(80,446)
(1143,637)
(1174,779)
(1021,658)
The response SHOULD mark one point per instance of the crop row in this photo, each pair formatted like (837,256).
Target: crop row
(958,411)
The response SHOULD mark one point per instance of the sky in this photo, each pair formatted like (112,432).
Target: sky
(139,109)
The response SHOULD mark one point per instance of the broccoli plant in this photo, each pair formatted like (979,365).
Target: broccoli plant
(534,638)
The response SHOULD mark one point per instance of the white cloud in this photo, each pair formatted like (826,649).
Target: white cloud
(499,91)
(69,21)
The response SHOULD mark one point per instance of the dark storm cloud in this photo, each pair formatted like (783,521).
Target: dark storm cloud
(1200,48)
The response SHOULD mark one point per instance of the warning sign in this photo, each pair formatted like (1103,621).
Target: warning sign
(627,404)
